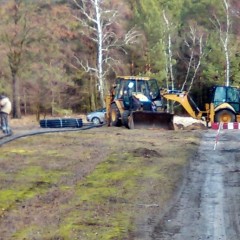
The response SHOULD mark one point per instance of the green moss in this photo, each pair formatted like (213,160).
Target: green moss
(30,232)
(94,194)
(3,176)
(54,153)
(17,151)
(94,228)
(22,151)
(110,188)
(27,183)
(65,187)
(103,204)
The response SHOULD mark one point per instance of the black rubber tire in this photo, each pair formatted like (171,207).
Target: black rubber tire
(125,116)
(96,121)
(115,116)
(61,123)
(225,116)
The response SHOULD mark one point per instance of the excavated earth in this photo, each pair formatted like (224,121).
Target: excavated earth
(206,205)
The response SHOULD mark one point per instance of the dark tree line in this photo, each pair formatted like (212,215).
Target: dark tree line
(59,56)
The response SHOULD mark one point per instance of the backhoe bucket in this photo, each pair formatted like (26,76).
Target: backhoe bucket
(152,120)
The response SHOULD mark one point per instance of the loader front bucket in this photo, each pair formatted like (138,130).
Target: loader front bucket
(152,120)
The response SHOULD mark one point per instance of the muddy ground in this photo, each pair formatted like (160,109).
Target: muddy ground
(112,183)
(209,206)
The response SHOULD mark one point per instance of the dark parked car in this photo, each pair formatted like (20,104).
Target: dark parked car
(97,117)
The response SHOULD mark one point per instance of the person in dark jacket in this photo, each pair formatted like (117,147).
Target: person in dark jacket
(5,109)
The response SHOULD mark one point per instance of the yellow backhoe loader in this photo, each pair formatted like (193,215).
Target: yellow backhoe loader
(223,105)
(135,102)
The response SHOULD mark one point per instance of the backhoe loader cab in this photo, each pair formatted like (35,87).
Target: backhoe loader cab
(226,103)
(136,103)
(144,89)
(223,94)
(223,104)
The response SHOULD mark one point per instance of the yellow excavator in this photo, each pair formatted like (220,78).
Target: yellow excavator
(223,105)
(135,102)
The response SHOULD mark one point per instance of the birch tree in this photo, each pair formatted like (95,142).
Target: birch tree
(195,44)
(169,54)
(224,34)
(193,47)
(97,21)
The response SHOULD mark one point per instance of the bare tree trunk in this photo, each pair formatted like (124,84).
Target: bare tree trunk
(100,52)
(92,84)
(38,112)
(196,68)
(169,50)
(52,102)
(25,101)
(169,61)
(193,38)
(224,38)
(226,43)
(196,41)
(16,112)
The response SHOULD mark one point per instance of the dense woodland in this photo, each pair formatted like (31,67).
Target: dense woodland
(59,56)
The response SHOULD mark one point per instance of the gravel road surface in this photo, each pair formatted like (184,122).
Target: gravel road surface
(209,206)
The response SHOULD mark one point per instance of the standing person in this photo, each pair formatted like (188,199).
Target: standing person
(5,109)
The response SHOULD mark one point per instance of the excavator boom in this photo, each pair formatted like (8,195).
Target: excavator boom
(186,101)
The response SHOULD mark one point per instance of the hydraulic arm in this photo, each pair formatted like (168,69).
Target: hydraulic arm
(186,101)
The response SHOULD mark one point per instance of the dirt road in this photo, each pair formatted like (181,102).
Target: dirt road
(209,206)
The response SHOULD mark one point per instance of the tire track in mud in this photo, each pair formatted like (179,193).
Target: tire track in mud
(208,208)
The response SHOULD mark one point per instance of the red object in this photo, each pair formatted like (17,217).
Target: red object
(231,125)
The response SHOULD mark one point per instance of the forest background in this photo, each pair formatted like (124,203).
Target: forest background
(64,55)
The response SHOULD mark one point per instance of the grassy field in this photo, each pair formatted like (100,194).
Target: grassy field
(104,183)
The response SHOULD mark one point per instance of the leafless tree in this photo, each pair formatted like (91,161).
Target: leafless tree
(97,22)
(169,50)
(194,42)
(15,38)
(224,36)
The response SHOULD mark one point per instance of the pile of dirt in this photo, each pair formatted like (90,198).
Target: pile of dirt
(146,153)
(188,123)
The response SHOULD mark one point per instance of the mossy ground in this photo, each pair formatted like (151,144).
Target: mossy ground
(95,184)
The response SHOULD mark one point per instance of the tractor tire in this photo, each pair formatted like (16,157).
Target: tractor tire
(115,116)
(225,116)
(125,116)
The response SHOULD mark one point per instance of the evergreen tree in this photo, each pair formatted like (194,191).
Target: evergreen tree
(149,16)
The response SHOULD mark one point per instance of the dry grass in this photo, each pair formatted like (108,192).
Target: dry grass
(95,184)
